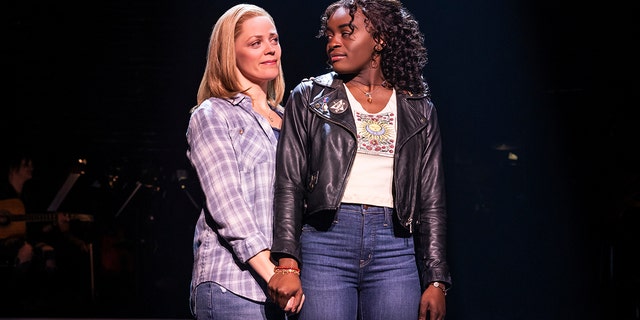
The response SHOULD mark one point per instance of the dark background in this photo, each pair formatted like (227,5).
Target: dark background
(550,235)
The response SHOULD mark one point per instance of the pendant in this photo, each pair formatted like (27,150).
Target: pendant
(369,99)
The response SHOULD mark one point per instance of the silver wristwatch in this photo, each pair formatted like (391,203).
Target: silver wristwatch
(440,286)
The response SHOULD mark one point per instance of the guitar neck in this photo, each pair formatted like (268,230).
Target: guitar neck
(13,220)
(35,217)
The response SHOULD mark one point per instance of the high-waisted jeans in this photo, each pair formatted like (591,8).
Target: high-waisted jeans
(358,268)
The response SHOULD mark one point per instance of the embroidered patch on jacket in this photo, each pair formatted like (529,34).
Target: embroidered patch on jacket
(338,106)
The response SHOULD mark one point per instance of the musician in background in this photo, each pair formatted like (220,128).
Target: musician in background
(28,258)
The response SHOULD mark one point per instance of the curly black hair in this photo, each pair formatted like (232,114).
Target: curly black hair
(403,54)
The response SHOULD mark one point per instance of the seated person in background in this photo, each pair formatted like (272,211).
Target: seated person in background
(16,251)
(28,247)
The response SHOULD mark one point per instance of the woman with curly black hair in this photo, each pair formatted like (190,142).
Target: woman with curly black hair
(360,216)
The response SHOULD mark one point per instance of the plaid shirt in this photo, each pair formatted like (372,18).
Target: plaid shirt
(232,149)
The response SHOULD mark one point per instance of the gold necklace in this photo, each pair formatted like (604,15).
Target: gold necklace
(368,94)
(270,117)
(267,113)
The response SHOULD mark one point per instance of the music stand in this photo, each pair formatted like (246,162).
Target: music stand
(66,187)
(75,173)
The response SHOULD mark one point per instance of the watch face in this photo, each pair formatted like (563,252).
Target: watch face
(440,286)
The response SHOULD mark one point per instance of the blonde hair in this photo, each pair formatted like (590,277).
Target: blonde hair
(220,79)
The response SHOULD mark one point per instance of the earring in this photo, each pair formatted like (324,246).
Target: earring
(377,47)
(373,64)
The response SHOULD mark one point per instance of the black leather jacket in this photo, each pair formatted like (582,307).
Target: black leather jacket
(316,149)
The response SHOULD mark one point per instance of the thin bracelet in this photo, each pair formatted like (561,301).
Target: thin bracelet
(286,270)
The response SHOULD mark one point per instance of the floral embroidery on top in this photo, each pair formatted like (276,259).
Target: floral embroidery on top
(376,133)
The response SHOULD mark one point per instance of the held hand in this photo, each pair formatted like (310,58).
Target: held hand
(286,290)
(291,303)
(432,301)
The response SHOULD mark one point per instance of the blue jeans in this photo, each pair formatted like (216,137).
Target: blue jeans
(358,268)
(214,302)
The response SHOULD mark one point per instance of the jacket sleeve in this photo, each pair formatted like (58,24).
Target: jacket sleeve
(432,229)
(291,169)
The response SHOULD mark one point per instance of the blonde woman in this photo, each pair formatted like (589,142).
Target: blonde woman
(232,136)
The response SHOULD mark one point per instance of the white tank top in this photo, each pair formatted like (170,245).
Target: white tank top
(371,176)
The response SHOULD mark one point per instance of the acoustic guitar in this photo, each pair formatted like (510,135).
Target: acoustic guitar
(13,220)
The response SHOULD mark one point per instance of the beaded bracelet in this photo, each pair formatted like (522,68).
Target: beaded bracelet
(285,270)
